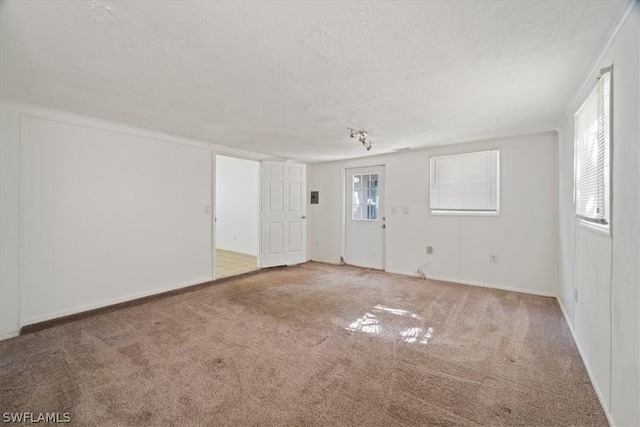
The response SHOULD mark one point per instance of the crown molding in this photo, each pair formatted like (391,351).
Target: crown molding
(595,63)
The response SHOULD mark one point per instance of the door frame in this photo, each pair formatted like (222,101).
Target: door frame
(214,223)
(343,207)
(214,208)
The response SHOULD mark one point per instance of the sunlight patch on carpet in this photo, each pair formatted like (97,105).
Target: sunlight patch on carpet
(393,323)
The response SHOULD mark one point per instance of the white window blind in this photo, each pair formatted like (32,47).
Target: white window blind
(591,165)
(464,182)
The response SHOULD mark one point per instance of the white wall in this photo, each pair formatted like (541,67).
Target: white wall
(524,235)
(9,220)
(95,213)
(605,269)
(237,204)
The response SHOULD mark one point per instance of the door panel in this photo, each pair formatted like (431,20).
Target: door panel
(275,196)
(296,170)
(295,236)
(276,236)
(284,228)
(295,196)
(275,168)
(365,225)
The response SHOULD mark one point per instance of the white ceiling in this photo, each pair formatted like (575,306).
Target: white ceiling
(286,78)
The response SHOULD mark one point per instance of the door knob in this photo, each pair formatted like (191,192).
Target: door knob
(304,217)
(384,226)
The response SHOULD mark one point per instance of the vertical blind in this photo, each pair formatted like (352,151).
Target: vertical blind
(591,163)
(464,182)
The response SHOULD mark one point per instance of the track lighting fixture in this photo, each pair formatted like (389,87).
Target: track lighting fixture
(362,137)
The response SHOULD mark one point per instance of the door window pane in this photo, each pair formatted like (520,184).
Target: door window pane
(373,196)
(365,197)
(357,211)
(372,212)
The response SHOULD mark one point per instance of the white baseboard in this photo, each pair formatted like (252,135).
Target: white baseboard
(481,284)
(324,262)
(92,306)
(7,335)
(586,365)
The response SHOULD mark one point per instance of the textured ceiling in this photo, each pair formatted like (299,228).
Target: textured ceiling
(286,78)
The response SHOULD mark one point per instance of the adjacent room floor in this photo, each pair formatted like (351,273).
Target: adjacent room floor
(311,344)
(229,263)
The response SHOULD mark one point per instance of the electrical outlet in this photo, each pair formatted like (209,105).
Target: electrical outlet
(430,250)
(493,258)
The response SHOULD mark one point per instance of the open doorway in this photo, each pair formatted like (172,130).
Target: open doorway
(237,215)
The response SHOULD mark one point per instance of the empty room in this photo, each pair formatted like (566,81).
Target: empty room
(320,213)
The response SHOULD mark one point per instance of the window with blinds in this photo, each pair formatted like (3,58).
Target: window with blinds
(591,150)
(465,183)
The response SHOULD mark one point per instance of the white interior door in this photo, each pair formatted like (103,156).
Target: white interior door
(365,221)
(283,215)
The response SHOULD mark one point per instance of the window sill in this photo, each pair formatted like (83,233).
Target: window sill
(465,213)
(604,230)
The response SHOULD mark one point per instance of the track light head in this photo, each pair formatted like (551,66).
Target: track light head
(362,137)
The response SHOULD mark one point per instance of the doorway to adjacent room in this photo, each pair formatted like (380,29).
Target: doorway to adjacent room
(237,215)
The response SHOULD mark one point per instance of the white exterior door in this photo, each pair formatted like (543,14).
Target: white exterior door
(365,221)
(283,214)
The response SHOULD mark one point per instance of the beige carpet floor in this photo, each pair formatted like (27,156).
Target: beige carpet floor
(309,345)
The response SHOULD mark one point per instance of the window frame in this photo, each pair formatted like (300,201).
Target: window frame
(460,212)
(588,223)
